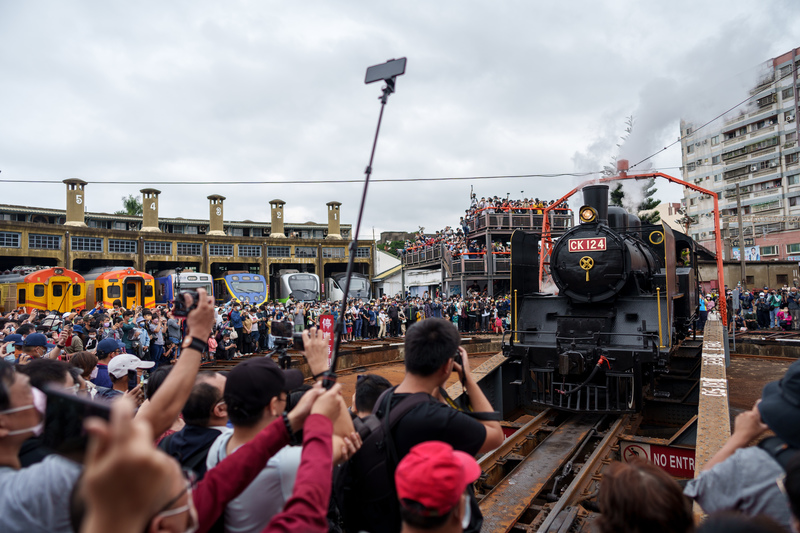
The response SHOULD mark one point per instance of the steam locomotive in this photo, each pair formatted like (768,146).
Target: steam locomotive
(623,296)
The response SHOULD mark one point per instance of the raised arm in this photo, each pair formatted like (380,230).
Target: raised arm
(494,433)
(164,407)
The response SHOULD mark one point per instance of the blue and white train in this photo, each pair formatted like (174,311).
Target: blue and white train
(242,287)
(167,283)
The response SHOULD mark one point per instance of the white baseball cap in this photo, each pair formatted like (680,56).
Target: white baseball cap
(119,365)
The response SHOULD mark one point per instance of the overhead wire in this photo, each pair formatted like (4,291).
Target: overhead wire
(318,182)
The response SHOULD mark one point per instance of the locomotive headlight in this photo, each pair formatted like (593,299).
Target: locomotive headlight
(587,214)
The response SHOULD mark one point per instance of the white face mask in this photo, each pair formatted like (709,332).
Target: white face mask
(40,404)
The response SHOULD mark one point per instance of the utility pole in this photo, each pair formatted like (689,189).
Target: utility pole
(727,239)
(743,272)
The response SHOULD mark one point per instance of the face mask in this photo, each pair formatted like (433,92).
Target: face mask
(93,374)
(106,324)
(40,404)
(92,336)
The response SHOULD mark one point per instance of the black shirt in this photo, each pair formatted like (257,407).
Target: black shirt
(437,421)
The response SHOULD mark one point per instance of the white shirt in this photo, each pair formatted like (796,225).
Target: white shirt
(252,510)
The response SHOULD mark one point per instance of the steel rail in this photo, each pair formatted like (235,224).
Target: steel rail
(577,490)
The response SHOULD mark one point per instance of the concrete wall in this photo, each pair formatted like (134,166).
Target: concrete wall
(759,273)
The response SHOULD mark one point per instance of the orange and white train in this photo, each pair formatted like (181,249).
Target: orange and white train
(131,287)
(46,289)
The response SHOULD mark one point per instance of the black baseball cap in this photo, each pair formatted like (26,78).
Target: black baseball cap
(780,405)
(256,381)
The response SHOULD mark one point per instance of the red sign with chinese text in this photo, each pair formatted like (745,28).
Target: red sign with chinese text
(587,245)
(326,324)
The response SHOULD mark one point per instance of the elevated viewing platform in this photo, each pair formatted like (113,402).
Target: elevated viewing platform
(524,218)
(483,263)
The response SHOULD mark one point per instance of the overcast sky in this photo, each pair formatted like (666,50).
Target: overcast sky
(271,91)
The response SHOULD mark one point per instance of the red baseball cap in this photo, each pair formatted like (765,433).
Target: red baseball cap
(435,476)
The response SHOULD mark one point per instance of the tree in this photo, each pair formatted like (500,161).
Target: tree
(647,211)
(617,194)
(132,206)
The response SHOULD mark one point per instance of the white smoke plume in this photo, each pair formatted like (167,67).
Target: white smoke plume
(703,83)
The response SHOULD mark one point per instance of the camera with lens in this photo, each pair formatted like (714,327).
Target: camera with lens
(180,309)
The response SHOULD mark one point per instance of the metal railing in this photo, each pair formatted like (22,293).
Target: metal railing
(529,218)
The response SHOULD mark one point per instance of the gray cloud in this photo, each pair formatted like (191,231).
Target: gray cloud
(187,91)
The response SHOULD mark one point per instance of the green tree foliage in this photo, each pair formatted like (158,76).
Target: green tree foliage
(132,206)
(617,195)
(391,247)
(646,207)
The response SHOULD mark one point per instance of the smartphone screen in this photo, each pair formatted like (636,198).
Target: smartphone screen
(133,379)
(64,433)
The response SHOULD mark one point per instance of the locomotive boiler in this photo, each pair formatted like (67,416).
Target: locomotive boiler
(623,295)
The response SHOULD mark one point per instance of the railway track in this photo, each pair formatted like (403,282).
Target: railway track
(546,475)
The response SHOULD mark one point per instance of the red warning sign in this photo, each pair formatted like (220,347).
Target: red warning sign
(678,462)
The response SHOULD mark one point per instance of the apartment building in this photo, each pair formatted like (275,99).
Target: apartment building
(758,151)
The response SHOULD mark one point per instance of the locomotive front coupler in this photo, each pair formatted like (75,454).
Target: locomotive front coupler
(600,363)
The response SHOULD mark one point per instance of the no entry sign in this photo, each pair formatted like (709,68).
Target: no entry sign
(677,462)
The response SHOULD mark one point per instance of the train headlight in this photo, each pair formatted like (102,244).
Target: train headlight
(587,214)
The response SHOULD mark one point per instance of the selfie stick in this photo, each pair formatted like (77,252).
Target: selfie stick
(386,72)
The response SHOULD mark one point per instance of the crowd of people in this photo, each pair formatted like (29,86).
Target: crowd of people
(756,309)
(256,449)
(457,240)
(245,330)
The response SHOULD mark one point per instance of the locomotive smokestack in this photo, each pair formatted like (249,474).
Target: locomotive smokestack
(597,196)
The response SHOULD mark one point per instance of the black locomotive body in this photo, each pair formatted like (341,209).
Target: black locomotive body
(625,295)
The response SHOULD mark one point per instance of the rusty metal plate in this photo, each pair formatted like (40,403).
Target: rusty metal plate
(504,505)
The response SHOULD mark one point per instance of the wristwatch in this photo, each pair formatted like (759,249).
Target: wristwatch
(193,342)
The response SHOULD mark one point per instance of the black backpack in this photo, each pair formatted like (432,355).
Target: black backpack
(364,488)
(779,450)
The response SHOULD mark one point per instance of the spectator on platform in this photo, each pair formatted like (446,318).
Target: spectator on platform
(640,497)
(238,326)
(762,311)
(742,477)
(256,394)
(791,484)
(432,483)
(369,387)
(774,300)
(107,349)
(793,303)
(205,415)
(44,373)
(430,348)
